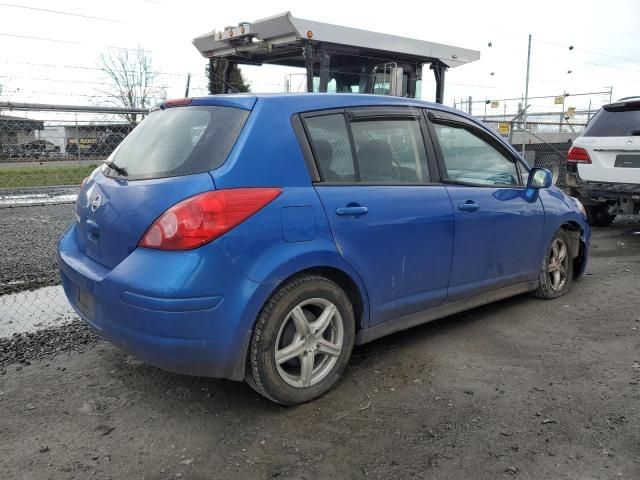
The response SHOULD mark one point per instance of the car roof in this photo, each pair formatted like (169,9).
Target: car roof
(301,102)
(292,103)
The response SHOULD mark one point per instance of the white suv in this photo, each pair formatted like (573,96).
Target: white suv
(603,165)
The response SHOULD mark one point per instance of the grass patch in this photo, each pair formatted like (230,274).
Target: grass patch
(43,176)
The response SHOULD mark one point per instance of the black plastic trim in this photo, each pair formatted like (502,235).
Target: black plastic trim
(305,146)
(382,113)
(419,318)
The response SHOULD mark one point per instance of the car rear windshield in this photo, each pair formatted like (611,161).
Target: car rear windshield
(616,123)
(179,141)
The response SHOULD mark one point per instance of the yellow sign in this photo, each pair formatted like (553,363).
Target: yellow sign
(83,141)
(503,128)
(559,100)
(571,111)
(495,104)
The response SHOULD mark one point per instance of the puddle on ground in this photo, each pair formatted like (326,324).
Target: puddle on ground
(31,311)
(35,199)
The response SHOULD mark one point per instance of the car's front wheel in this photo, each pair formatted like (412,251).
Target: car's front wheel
(302,341)
(556,273)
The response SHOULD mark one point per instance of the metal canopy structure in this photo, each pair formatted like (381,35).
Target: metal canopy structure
(357,60)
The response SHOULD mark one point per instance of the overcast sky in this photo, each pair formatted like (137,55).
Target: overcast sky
(604,34)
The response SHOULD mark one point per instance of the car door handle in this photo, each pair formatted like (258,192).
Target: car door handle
(352,210)
(468,206)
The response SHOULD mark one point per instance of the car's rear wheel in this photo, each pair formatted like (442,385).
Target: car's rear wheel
(302,341)
(599,216)
(556,274)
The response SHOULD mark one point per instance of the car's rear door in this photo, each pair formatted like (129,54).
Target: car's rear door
(389,220)
(498,231)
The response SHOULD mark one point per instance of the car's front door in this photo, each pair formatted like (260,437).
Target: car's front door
(498,231)
(389,220)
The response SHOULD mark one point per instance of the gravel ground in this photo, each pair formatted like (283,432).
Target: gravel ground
(22,348)
(523,388)
(29,239)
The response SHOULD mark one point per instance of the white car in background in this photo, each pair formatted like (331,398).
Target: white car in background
(603,164)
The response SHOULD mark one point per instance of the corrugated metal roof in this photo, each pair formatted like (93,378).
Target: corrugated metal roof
(20,123)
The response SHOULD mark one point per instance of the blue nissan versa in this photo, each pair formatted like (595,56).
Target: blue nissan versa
(260,237)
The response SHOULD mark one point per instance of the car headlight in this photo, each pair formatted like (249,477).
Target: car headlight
(579,206)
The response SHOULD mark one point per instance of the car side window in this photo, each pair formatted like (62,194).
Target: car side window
(470,159)
(390,150)
(329,139)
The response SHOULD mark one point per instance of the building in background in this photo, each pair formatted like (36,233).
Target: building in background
(16,130)
(95,139)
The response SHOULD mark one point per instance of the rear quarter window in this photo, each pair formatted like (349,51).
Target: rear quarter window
(179,141)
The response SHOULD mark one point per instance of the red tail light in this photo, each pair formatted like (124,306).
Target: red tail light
(205,217)
(578,155)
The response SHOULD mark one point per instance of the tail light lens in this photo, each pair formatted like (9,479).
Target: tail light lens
(202,218)
(578,155)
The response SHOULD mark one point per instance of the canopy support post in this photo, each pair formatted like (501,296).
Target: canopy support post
(439,70)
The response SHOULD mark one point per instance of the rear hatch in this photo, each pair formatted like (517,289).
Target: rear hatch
(612,140)
(164,160)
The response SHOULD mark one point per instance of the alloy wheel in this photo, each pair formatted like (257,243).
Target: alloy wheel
(309,342)
(558,264)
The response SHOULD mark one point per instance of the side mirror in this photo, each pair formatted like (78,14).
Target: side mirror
(539,178)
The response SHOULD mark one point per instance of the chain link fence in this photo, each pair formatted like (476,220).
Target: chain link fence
(45,153)
(543,130)
(44,148)
(543,141)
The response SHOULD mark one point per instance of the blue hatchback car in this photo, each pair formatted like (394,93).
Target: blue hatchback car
(260,237)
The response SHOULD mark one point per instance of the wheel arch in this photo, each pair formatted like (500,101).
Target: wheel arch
(576,235)
(344,280)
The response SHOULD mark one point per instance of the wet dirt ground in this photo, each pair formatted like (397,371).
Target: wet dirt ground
(523,388)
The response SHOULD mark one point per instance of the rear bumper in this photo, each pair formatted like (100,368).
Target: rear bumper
(600,192)
(186,312)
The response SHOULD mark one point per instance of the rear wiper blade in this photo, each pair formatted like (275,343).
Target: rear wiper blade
(635,132)
(120,170)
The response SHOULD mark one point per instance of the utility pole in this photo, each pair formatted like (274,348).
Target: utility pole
(186,91)
(526,94)
(610,93)
(564,99)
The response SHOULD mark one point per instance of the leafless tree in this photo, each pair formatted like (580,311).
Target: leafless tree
(133,78)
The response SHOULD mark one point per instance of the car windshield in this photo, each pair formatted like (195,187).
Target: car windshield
(179,141)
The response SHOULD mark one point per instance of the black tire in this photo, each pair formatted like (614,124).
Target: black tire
(267,376)
(599,216)
(548,286)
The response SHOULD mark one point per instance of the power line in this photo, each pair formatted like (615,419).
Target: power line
(567,47)
(59,12)
(609,66)
(39,92)
(69,42)
(82,67)
(592,52)
(62,80)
